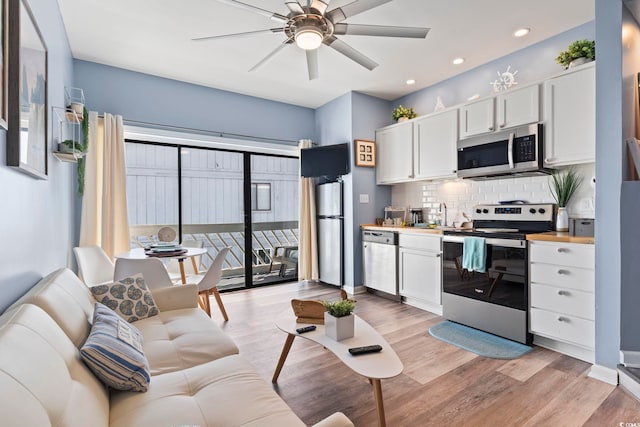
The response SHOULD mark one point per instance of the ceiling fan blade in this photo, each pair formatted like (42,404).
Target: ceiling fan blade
(350,53)
(339,14)
(238,35)
(312,63)
(294,7)
(320,5)
(271,54)
(271,15)
(381,31)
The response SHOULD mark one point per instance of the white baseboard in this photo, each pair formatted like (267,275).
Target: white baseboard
(588,355)
(423,305)
(630,358)
(355,290)
(604,374)
(630,384)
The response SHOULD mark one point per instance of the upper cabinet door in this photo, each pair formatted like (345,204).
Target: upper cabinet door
(570,117)
(477,118)
(394,152)
(518,107)
(435,139)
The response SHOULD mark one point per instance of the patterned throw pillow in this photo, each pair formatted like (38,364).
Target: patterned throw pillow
(128,297)
(113,351)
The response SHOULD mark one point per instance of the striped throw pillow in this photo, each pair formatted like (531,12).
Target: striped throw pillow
(113,351)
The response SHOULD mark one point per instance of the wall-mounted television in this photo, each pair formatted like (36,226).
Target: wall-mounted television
(327,160)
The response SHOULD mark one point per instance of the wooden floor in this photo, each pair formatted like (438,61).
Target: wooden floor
(441,385)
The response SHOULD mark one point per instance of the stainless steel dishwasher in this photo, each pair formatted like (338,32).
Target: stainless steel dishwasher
(380,260)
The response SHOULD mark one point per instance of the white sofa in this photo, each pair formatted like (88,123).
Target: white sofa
(197,376)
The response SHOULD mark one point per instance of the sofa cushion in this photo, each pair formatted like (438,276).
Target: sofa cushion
(114,353)
(129,297)
(67,300)
(179,339)
(225,392)
(43,382)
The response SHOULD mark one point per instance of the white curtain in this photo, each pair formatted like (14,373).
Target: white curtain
(308,244)
(104,207)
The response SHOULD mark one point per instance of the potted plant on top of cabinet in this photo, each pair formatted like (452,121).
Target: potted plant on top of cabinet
(578,53)
(563,186)
(401,114)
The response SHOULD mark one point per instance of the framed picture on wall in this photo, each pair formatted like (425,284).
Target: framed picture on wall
(3,63)
(27,102)
(365,152)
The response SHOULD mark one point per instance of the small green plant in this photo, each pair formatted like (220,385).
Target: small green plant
(577,49)
(564,185)
(339,308)
(401,111)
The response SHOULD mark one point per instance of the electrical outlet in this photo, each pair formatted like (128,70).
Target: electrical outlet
(586,204)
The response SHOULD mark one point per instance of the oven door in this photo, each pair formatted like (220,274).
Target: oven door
(505,280)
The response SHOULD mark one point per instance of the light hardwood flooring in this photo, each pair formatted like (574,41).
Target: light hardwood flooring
(441,385)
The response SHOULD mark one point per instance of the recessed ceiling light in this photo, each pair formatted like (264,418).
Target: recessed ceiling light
(521,32)
(458,61)
(411,82)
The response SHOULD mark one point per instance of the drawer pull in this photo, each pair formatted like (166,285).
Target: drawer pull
(563,293)
(562,250)
(562,319)
(562,272)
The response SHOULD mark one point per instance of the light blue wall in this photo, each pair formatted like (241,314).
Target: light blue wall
(37,217)
(146,98)
(533,63)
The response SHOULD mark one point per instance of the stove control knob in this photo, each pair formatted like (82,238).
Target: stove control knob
(478,211)
(532,210)
(541,210)
(485,211)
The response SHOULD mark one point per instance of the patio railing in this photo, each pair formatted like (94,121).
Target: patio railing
(266,236)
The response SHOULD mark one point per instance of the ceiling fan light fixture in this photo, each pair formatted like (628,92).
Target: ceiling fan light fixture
(308,38)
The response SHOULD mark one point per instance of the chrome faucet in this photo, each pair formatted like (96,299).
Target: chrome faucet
(442,212)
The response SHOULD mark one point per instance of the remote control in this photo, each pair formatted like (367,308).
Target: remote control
(365,349)
(306,329)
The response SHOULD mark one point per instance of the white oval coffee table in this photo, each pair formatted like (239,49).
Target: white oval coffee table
(374,366)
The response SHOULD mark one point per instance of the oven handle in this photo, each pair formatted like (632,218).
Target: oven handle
(495,242)
(510,153)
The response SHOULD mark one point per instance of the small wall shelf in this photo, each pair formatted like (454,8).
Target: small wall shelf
(67,140)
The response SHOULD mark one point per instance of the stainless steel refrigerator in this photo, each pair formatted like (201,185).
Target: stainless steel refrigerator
(330,232)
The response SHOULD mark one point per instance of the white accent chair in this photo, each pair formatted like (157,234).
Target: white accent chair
(209,284)
(153,271)
(95,267)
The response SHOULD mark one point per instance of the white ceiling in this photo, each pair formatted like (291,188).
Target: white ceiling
(154,37)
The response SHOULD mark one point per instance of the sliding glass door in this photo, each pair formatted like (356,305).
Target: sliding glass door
(214,198)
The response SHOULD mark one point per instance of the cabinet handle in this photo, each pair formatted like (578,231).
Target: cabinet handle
(563,293)
(504,113)
(550,160)
(490,128)
(562,319)
(563,272)
(562,250)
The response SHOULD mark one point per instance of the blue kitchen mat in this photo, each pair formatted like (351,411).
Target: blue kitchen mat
(478,342)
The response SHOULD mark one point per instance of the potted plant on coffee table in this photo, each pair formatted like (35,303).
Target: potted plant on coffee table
(578,52)
(563,186)
(338,319)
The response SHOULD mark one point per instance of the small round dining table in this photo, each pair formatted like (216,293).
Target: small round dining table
(139,253)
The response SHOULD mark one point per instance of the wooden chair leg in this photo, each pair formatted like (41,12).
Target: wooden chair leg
(216,294)
(204,303)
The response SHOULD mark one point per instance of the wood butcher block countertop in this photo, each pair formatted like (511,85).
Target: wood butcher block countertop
(408,230)
(560,236)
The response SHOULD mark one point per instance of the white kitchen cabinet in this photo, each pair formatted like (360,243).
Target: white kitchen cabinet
(562,297)
(477,118)
(420,271)
(570,117)
(394,152)
(517,107)
(435,139)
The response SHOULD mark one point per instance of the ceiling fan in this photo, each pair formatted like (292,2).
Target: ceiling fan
(310,25)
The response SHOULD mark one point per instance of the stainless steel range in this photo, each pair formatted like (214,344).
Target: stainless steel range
(494,300)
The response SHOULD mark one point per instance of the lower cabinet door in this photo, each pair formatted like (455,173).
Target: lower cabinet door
(420,275)
(563,327)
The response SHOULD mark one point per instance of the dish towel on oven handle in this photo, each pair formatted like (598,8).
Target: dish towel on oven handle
(474,254)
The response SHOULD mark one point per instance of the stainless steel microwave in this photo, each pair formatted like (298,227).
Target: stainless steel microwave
(515,151)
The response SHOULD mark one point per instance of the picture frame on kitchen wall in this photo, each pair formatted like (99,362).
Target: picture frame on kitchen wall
(27,99)
(365,152)
(3,63)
